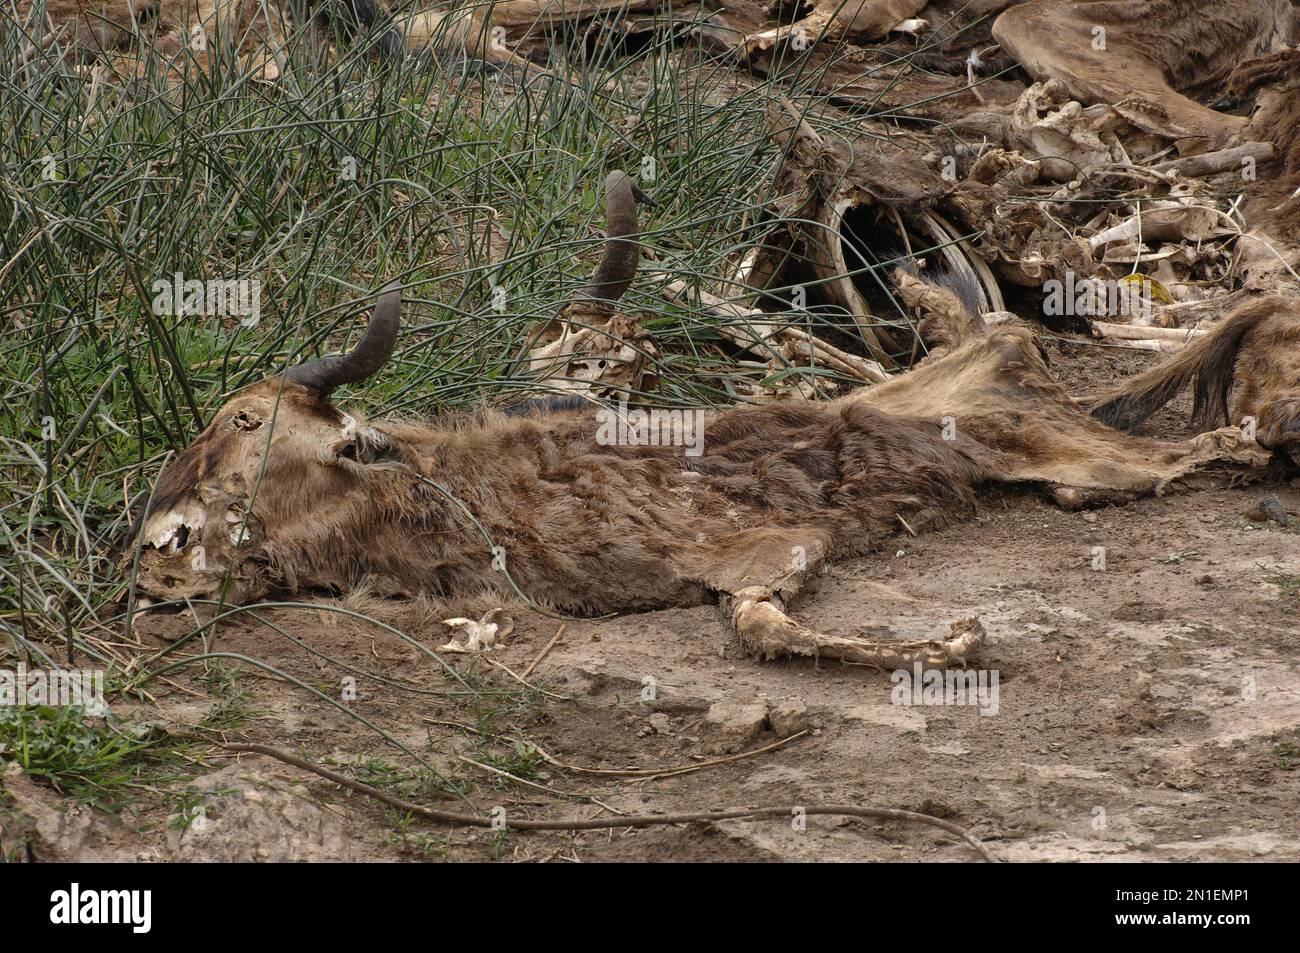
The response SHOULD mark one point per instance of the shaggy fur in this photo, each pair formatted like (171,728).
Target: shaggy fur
(1273,202)
(584,527)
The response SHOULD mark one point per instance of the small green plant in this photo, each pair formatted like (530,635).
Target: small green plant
(1288,752)
(1292,526)
(519,759)
(422,784)
(230,707)
(1288,585)
(86,759)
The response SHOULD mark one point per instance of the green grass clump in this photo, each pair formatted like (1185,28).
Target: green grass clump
(87,759)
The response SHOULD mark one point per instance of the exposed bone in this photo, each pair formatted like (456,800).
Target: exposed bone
(479,635)
(1212,163)
(1175,220)
(962,259)
(1068,139)
(911,27)
(827,254)
(591,347)
(757,613)
(482,29)
(591,350)
(830,20)
(1130,332)
(1144,344)
(860,176)
(1140,44)
(756,330)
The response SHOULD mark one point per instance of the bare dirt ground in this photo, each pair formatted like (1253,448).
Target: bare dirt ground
(1147,710)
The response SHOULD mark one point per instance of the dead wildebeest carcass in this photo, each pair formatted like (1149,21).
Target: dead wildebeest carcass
(583,511)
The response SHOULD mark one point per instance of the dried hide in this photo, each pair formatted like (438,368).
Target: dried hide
(1153,55)
(857,21)
(996,389)
(493,31)
(125,34)
(1255,351)
(1270,252)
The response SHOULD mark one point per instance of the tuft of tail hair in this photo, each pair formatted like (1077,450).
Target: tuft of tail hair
(961,284)
(1208,363)
(964,286)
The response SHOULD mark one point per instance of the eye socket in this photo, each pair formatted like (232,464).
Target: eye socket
(245,421)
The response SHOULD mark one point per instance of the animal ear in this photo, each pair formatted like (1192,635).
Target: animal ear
(368,447)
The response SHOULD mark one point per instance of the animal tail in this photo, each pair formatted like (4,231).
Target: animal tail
(949,300)
(1208,361)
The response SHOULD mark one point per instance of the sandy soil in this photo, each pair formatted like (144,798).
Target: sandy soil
(1147,710)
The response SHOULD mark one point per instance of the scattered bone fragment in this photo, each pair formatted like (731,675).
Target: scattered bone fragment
(481,635)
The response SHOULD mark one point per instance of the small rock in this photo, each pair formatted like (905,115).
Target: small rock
(1206,580)
(257,813)
(731,726)
(1269,509)
(789,718)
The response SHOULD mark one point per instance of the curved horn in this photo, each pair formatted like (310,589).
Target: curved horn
(617,266)
(376,347)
